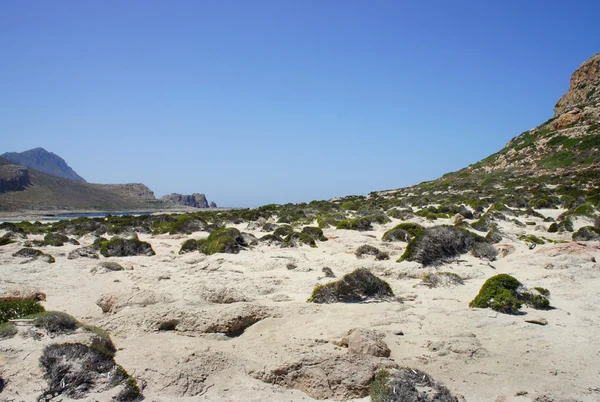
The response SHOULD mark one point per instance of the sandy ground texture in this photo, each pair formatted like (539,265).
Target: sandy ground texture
(237,327)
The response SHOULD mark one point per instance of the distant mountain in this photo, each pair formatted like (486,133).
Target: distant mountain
(25,189)
(44,161)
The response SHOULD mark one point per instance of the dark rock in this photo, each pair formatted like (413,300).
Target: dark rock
(118,247)
(83,252)
(213,204)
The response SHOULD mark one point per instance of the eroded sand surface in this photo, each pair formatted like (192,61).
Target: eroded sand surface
(208,300)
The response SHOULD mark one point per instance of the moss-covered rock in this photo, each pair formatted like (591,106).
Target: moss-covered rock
(587,233)
(356,286)
(553,228)
(33,253)
(117,247)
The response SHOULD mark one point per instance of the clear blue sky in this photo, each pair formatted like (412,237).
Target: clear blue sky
(253,102)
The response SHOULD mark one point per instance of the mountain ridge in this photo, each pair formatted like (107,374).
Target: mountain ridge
(43,161)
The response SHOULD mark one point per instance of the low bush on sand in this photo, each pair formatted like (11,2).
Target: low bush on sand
(407,384)
(403,232)
(7,330)
(15,309)
(359,224)
(296,239)
(439,244)
(366,249)
(356,286)
(505,294)
(191,245)
(75,369)
(55,322)
(437,279)
(484,251)
(315,232)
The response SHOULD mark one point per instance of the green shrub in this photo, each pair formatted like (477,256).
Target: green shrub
(436,279)
(4,241)
(583,210)
(191,245)
(294,239)
(360,224)
(382,255)
(542,291)
(356,286)
(7,330)
(15,309)
(378,391)
(55,322)
(531,239)
(55,239)
(366,249)
(283,231)
(315,232)
(504,293)
(500,294)
(220,244)
(407,384)
(438,244)
(327,221)
(493,236)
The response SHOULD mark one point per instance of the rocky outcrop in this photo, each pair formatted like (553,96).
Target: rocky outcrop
(195,200)
(584,89)
(340,377)
(44,161)
(13,178)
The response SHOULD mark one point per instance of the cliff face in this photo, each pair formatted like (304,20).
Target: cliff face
(195,200)
(569,141)
(44,161)
(13,178)
(583,92)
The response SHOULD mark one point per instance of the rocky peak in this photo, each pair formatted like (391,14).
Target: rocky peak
(584,91)
(44,161)
(195,200)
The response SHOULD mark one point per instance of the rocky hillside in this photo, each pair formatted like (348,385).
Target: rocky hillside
(550,165)
(44,161)
(22,188)
(13,178)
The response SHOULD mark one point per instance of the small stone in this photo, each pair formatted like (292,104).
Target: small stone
(538,321)
(398,332)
